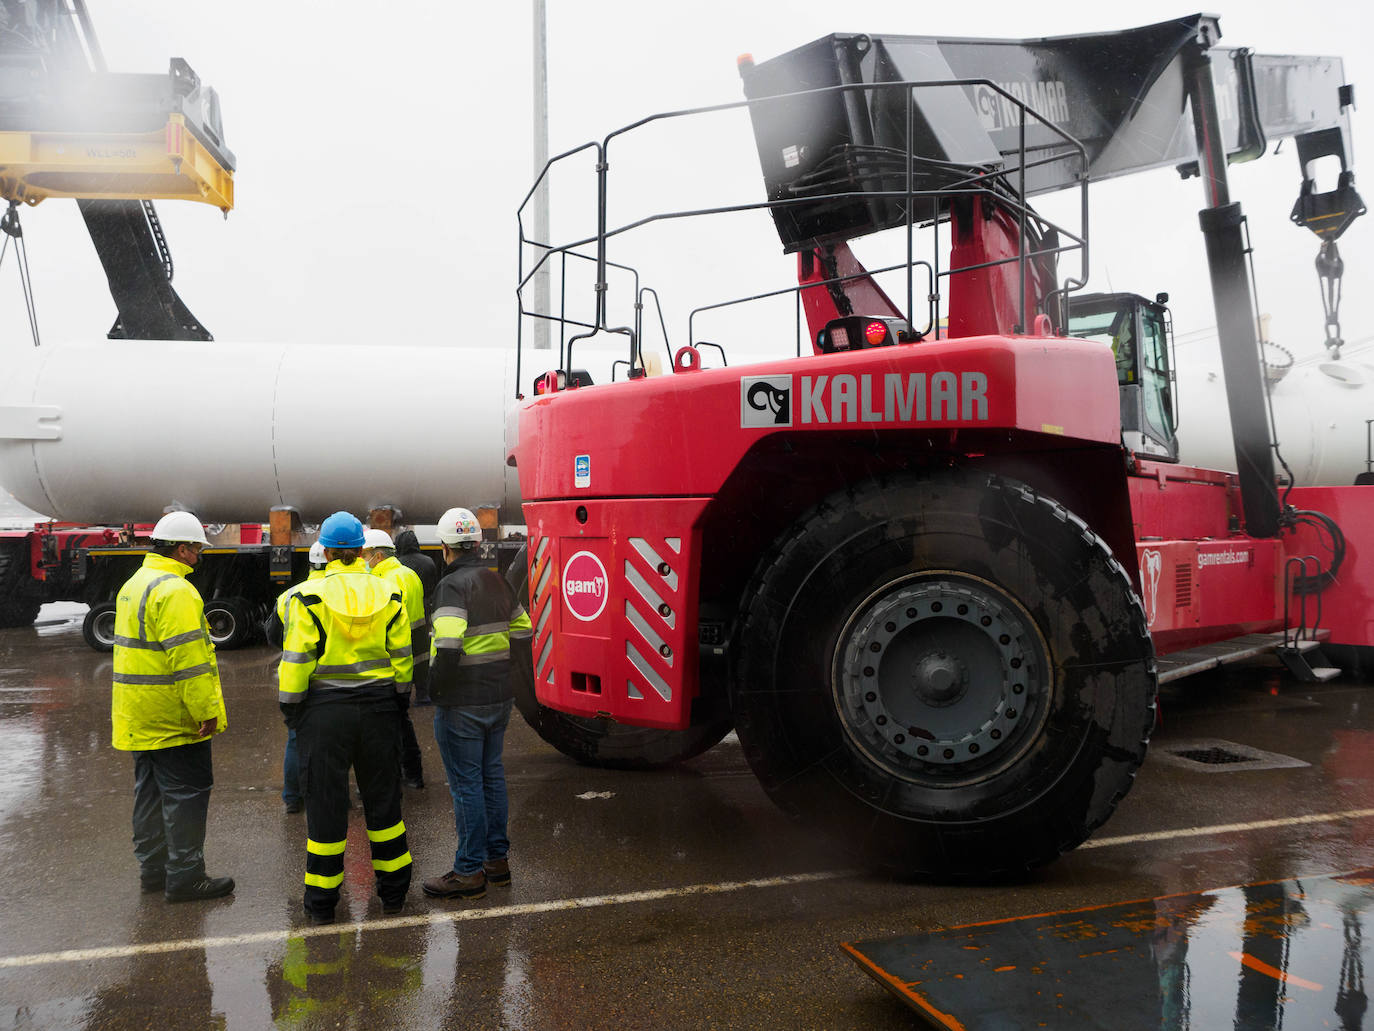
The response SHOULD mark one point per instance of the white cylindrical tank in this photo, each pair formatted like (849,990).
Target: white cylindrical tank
(106,431)
(1319,409)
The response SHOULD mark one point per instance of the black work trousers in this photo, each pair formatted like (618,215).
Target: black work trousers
(411,767)
(332,737)
(171,802)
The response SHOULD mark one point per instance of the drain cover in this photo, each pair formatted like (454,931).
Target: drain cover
(1213,756)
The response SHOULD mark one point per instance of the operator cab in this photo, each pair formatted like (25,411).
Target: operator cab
(1140,334)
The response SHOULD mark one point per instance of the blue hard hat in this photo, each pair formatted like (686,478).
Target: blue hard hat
(341,530)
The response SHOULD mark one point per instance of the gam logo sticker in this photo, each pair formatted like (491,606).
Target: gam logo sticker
(586,587)
(765,401)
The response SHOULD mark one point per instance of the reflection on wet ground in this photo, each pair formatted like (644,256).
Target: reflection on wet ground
(1279,954)
(679,899)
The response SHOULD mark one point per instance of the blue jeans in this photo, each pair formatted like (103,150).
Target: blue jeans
(470,740)
(290,770)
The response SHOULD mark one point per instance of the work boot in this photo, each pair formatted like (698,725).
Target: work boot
(316,918)
(152,882)
(454,885)
(392,908)
(498,872)
(205,888)
(416,781)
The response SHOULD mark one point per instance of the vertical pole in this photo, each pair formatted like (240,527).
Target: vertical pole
(1222,223)
(541,157)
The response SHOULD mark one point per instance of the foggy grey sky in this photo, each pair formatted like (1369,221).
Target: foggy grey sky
(383,149)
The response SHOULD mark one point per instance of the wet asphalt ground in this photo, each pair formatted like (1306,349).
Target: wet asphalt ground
(679,899)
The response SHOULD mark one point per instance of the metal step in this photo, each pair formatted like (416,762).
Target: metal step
(1177,665)
(1306,662)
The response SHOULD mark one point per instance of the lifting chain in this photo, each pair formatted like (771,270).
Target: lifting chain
(1330,268)
(9,225)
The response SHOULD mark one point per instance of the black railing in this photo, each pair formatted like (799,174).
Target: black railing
(1006,183)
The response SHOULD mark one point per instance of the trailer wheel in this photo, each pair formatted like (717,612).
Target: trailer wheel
(951,675)
(229,624)
(16,609)
(18,613)
(98,628)
(598,742)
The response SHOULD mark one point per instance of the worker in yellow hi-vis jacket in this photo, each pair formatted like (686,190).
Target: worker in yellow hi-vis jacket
(343,681)
(166,705)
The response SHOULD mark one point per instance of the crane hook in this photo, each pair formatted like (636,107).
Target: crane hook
(1330,268)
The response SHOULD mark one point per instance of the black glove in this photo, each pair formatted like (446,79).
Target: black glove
(403,700)
(291,712)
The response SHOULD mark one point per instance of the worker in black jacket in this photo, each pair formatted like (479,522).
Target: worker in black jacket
(475,616)
(408,553)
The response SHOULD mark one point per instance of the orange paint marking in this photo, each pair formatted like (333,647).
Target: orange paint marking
(898,987)
(1278,975)
(1003,970)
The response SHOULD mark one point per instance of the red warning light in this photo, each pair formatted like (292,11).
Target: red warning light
(875,333)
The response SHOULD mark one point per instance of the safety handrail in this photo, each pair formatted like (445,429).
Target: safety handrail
(974,181)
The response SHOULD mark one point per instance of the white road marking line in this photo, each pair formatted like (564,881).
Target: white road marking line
(593,901)
(420,920)
(1230,828)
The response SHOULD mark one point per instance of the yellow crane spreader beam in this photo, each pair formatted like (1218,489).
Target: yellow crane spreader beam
(167,164)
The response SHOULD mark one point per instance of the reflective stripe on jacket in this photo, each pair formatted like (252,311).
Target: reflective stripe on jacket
(346,638)
(475,616)
(166,680)
(405,580)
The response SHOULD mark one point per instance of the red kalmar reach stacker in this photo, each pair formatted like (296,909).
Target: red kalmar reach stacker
(934,574)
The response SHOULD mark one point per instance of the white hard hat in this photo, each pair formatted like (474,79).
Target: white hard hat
(457,526)
(377,539)
(317,555)
(178,528)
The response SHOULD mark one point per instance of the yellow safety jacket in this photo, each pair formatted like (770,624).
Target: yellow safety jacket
(166,680)
(285,595)
(274,627)
(347,639)
(407,581)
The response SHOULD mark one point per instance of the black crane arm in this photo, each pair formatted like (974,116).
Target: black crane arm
(1123,95)
(114,142)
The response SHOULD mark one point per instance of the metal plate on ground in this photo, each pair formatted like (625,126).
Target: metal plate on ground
(1213,755)
(1286,954)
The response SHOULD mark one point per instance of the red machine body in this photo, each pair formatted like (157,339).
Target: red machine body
(933,578)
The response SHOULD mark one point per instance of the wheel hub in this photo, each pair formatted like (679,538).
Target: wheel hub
(939,678)
(944,671)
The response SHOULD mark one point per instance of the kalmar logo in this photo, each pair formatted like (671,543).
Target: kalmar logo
(586,587)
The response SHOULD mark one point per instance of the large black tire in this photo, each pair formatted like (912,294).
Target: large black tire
(229,622)
(18,612)
(17,608)
(598,742)
(952,676)
(98,628)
